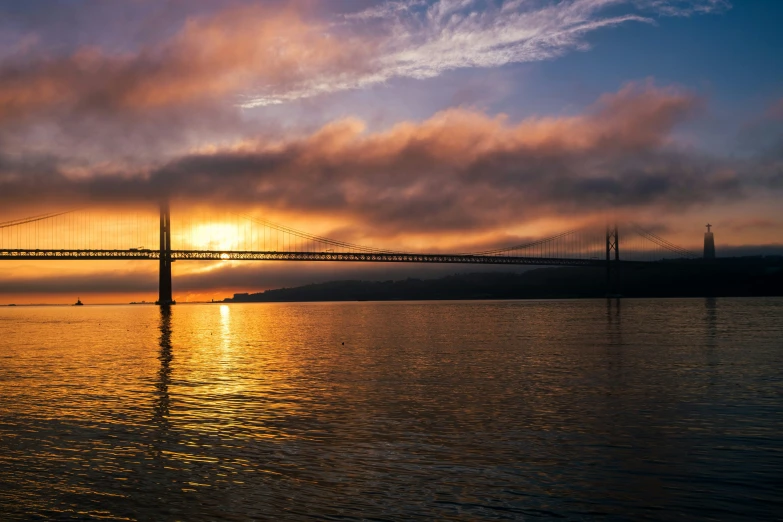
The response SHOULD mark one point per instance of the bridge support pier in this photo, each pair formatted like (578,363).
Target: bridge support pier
(164,285)
(612,261)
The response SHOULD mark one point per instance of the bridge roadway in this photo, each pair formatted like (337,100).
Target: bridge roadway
(228,255)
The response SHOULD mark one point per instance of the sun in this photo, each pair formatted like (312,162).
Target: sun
(215,236)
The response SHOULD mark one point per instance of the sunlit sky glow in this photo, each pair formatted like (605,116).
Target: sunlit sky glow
(422,125)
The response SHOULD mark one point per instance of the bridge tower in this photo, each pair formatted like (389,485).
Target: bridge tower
(612,260)
(164,284)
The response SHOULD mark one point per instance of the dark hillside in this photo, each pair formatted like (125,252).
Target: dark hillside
(728,277)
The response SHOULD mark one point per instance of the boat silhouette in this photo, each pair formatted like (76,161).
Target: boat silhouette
(78,302)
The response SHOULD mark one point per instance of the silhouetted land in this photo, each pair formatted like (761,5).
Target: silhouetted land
(728,277)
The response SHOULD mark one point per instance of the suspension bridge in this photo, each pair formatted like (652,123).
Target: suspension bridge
(89,235)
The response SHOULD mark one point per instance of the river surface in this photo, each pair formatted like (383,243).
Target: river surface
(582,410)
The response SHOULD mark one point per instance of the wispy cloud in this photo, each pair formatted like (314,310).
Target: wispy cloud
(256,55)
(418,39)
(685,7)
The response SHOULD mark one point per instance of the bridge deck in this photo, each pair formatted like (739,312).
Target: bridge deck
(220,255)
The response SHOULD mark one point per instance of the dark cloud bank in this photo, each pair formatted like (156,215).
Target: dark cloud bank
(458,170)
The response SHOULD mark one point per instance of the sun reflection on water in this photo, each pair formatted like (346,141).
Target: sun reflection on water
(401,410)
(225,324)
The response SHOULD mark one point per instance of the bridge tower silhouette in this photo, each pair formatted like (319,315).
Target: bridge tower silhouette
(165,296)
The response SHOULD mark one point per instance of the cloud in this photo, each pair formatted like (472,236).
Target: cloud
(752,224)
(261,54)
(210,57)
(459,170)
(417,39)
(154,92)
(686,7)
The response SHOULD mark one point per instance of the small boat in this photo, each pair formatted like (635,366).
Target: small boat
(78,302)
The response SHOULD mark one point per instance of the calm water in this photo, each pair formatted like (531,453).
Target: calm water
(653,409)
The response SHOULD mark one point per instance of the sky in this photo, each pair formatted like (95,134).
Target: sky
(424,125)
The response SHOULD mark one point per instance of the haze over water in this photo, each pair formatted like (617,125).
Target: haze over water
(631,410)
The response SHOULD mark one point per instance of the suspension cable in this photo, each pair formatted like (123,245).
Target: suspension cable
(312,237)
(32,219)
(664,243)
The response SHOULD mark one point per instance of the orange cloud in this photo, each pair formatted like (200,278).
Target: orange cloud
(638,116)
(229,53)
(456,170)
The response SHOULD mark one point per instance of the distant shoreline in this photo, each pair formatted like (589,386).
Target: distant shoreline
(455,300)
(729,277)
(745,278)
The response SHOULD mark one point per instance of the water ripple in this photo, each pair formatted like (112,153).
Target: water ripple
(581,410)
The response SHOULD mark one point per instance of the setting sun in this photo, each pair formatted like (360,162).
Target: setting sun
(217,236)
